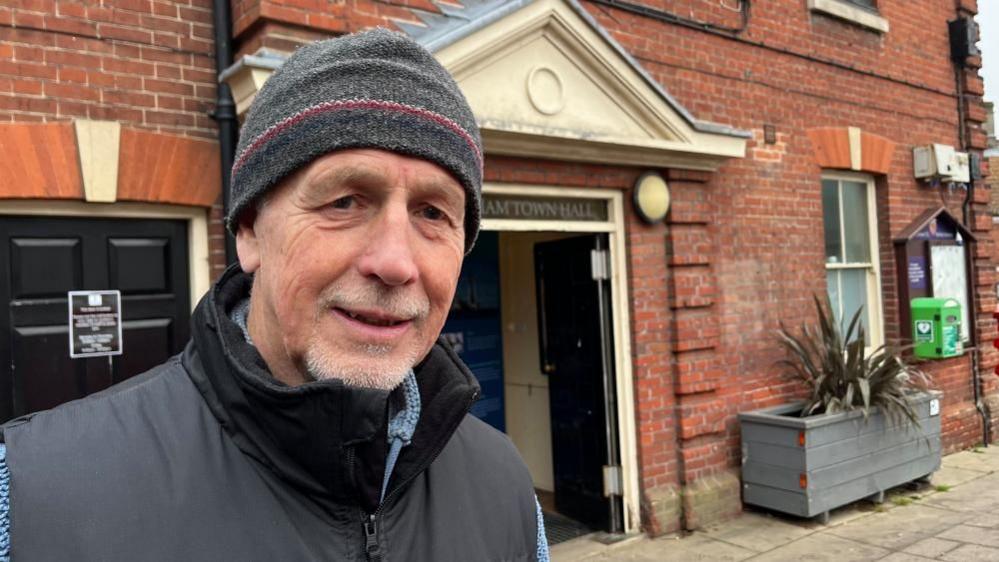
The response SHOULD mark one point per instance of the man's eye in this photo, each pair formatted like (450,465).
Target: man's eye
(433,213)
(343,202)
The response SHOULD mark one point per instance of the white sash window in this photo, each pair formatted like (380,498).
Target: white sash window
(853,274)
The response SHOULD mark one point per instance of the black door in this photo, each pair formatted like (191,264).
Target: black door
(573,321)
(41,259)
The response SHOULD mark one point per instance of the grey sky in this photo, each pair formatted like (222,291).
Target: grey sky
(988,23)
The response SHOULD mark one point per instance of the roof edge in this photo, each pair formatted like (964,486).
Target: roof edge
(263,58)
(924,218)
(490,15)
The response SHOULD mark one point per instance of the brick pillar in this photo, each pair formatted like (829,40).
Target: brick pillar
(675,334)
(654,401)
(710,492)
(984,284)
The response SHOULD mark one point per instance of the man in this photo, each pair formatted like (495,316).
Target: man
(312,416)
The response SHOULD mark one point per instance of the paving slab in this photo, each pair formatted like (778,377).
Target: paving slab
(932,547)
(973,535)
(953,476)
(921,522)
(848,514)
(694,548)
(904,557)
(759,532)
(822,547)
(980,496)
(585,548)
(987,520)
(985,460)
(972,553)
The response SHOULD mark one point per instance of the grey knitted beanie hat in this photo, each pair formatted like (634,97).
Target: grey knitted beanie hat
(376,89)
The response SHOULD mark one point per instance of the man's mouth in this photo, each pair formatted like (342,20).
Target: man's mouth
(372,319)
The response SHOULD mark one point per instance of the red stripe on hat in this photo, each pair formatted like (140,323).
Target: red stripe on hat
(330,106)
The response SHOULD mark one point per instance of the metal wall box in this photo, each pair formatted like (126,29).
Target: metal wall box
(936,327)
(933,161)
(975,165)
(963,34)
(960,168)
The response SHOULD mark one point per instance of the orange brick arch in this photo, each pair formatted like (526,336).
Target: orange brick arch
(849,148)
(42,161)
(160,168)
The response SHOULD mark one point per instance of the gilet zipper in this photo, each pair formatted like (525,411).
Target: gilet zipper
(372,548)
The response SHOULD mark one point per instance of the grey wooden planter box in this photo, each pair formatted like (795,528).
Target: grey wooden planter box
(808,466)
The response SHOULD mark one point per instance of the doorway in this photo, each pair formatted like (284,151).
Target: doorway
(43,258)
(557,374)
(576,355)
(498,333)
(541,313)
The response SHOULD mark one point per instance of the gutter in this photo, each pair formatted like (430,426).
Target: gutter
(224,113)
(967,215)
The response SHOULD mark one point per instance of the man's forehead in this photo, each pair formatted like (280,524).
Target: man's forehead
(378,168)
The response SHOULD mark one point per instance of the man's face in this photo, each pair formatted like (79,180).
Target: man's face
(356,258)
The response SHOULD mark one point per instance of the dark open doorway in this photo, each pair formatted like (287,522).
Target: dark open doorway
(574,315)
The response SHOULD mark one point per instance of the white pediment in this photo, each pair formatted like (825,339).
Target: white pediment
(546,90)
(544,81)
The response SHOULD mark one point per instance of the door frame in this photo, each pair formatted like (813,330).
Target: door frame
(199,266)
(614,226)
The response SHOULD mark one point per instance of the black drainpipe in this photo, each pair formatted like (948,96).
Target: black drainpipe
(959,58)
(225,110)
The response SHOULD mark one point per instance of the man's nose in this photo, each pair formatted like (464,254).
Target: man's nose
(389,249)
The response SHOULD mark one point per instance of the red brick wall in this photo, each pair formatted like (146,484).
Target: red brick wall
(745,248)
(285,24)
(144,63)
(992,165)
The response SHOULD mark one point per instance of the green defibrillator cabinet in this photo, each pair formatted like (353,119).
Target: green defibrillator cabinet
(936,327)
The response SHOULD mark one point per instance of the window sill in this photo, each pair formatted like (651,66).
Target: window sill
(850,13)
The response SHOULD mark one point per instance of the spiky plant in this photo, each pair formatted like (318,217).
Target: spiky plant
(842,378)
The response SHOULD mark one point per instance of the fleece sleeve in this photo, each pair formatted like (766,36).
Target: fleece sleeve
(543,555)
(4,506)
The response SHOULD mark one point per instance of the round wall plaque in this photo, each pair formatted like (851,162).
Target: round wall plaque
(545,90)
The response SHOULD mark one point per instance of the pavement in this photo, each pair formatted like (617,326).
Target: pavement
(953,518)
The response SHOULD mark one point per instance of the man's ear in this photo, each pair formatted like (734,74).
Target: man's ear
(247,244)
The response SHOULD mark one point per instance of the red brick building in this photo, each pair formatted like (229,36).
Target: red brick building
(784,131)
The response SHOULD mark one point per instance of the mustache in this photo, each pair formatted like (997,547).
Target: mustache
(399,302)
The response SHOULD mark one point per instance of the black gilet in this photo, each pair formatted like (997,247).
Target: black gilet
(208,458)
